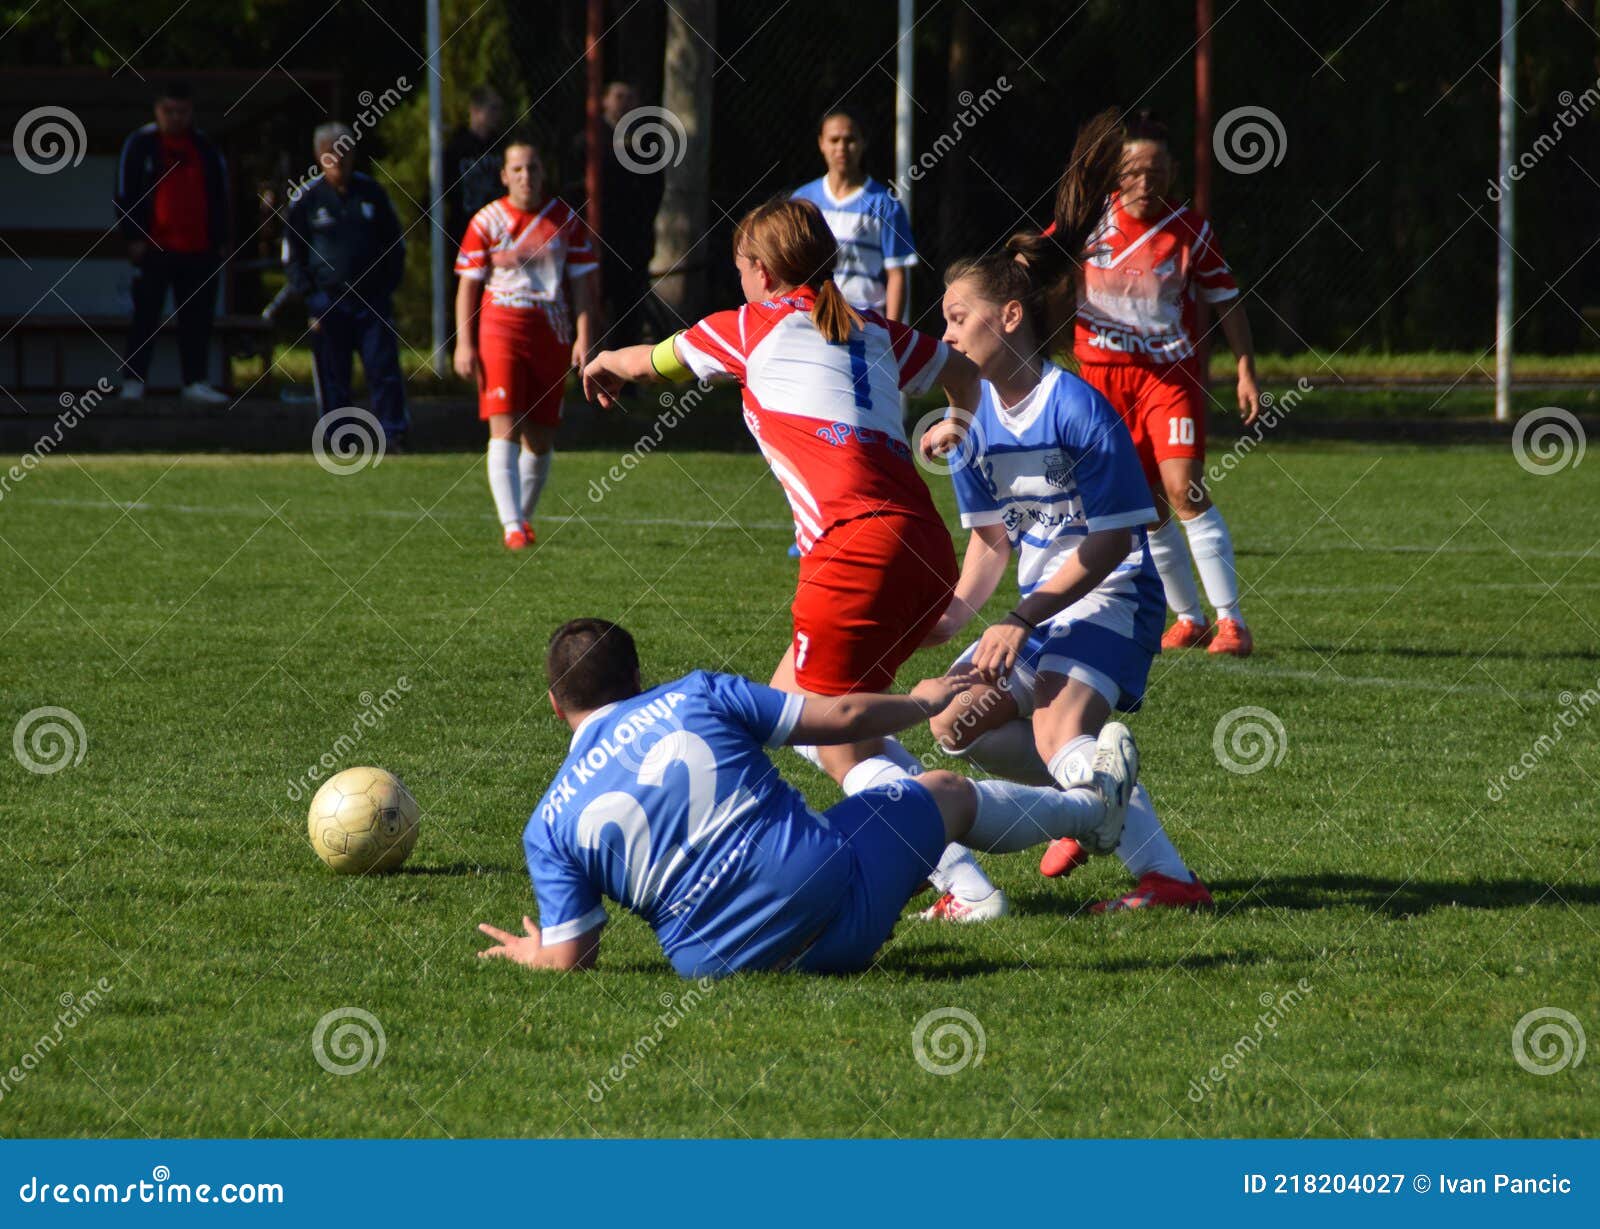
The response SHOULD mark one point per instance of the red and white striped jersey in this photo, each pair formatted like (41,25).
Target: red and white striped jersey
(524,256)
(826,415)
(1136,299)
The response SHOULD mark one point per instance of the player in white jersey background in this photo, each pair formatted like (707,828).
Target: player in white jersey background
(1046,469)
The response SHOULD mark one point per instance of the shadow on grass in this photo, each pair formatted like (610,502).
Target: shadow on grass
(480,869)
(1394,897)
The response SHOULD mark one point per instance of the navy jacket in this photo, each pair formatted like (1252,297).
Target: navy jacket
(335,244)
(137,170)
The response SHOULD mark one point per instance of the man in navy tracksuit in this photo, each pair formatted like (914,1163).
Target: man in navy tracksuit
(344,255)
(172,209)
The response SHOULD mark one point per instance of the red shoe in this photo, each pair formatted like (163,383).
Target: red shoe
(1062,858)
(527,532)
(1158,889)
(1232,637)
(1186,634)
(516,539)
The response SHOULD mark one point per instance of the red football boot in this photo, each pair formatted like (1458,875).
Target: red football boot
(1232,637)
(1157,889)
(1186,634)
(1061,858)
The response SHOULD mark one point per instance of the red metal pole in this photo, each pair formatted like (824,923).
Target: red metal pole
(1202,158)
(594,153)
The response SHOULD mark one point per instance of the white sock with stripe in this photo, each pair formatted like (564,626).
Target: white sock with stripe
(1212,546)
(503,483)
(1171,555)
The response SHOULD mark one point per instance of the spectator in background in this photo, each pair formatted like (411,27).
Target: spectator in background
(343,253)
(172,208)
(472,161)
(629,199)
(871,226)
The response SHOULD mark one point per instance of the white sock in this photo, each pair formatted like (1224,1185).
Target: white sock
(1072,767)
(1177,578)
(1212,547)
(872,772)
(503,483)
(959,874)
(1014,817)
(1145,845)
(895,751)
(532,469)
(1009,751)
(807,752)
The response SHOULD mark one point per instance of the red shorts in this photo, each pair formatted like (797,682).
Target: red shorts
(1164,408)
(870,591)
(522,368)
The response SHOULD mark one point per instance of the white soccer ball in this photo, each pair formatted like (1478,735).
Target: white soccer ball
(363,821)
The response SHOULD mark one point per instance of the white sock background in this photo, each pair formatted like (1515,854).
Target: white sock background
(1171,556)
(1212,546)
(503,483)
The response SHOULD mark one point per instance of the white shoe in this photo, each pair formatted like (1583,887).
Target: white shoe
(201,391)
(1116,772)
(133,390)
(948,909)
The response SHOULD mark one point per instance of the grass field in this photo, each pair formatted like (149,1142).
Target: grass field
(1424,615)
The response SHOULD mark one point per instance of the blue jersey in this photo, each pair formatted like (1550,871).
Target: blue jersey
(874,236)
(1052,469)
(668,804)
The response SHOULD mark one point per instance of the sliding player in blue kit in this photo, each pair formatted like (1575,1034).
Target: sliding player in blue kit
(668,805)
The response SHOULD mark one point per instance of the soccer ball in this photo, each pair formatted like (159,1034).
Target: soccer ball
(363,821)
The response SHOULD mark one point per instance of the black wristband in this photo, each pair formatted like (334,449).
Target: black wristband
(1032,627)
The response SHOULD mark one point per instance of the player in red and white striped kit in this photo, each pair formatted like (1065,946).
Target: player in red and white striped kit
(822,385)
(1153,260)
(516,334)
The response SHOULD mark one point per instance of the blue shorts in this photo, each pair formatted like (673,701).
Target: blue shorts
(1116,666)
(894,837)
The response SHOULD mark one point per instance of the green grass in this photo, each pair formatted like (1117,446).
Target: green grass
(1419,612)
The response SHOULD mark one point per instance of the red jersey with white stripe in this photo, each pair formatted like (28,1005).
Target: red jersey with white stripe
(826,415)
(524,258)
(1136,299)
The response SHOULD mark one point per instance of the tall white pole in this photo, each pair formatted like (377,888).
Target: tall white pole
(905,76)
(1508,108)
(438,243)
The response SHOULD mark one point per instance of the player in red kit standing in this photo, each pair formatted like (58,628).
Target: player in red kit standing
(1152,261)
(515,331)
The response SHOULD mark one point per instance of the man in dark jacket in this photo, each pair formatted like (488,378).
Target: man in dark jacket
(171,201)
(344,255)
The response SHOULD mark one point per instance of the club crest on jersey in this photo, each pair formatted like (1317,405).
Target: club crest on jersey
(1057,469)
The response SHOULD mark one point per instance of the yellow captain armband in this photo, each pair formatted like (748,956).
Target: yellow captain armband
(666,363)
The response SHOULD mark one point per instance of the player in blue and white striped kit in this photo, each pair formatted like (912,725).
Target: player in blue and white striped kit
(1046,470)
(668,804)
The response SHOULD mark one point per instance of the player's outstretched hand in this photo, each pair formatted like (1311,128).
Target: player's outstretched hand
(524,949)
(941,439)
(998,649)
(600,383)
(938,694)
